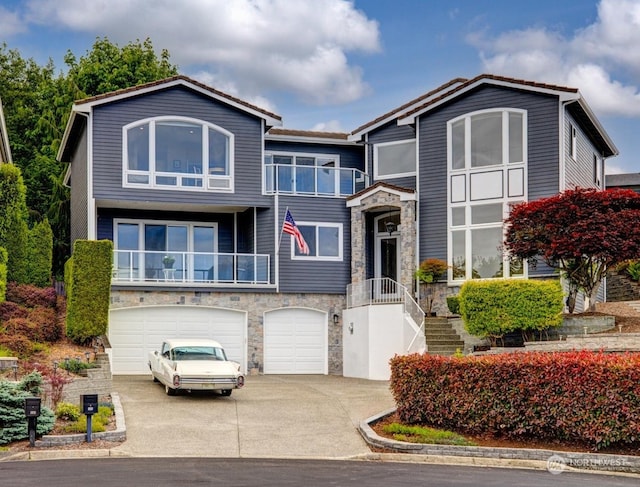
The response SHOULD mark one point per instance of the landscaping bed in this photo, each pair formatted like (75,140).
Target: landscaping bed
(489,441)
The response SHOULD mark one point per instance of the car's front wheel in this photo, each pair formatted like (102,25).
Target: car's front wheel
(170,391)
(225,392)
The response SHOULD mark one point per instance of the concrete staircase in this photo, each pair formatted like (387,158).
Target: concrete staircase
(441,338)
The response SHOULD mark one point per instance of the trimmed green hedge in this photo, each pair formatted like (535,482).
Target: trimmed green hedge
(584,397)
(40,254)
(14,232)
(492,308)
(3,274)
(88,285)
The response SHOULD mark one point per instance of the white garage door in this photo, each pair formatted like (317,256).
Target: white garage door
(134,332)
(295,341)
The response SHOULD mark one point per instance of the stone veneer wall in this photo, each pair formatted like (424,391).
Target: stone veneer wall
(408,229)
(255,304)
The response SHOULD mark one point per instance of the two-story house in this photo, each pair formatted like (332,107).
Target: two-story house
(192,186)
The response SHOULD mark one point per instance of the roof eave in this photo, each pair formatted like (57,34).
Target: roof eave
(410,119)
(270,120)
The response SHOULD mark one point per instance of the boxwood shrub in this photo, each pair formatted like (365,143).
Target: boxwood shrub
(492,308)
(584,397)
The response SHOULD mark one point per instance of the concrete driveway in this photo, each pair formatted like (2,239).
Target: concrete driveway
(272,416)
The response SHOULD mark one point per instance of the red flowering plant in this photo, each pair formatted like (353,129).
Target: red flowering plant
(581,232)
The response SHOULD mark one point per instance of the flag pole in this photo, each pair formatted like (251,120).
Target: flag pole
(281,227)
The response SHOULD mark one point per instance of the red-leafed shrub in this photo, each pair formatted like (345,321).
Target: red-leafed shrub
(31,296)
(10,310)
(46,321)
(24,327)
(18,344)
(583,397)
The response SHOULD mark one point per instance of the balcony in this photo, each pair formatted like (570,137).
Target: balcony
(170,267)
(313,180)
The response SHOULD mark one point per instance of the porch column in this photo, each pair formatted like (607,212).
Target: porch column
(358,258)
(408,243)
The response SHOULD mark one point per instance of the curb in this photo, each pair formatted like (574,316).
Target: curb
(553,461)
(51,441)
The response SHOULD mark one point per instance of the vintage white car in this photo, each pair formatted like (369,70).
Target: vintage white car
(194,364)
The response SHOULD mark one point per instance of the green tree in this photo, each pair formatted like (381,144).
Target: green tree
(37,105)
(108,68)
(13,223)
(40,254)
(581,232)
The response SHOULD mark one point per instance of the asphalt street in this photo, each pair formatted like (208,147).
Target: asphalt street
(158,472)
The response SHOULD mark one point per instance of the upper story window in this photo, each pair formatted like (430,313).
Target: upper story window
(573,141)
(177,153)
(597,171)
(394,159)
(310,175)
(487,159)
(487,138)
(324,241)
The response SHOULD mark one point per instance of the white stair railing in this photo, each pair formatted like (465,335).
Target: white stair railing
(383,290)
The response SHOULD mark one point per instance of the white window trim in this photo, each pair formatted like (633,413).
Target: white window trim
(573,141)
(467,204)
(294,155)
(377,176)
(206,178)
(189,224)
(337,258)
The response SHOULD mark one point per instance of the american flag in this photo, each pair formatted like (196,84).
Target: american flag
(289,226)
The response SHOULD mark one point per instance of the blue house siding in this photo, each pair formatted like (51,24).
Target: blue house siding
(107,147)
(578,171)
(351,156)
(543,164)
(390,132)
(311,276)
(79,195)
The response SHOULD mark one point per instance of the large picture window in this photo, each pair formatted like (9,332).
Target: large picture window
(177,153)
(394,159)
(487,154)
(324,241)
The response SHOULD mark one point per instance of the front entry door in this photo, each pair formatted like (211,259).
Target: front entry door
(387,251)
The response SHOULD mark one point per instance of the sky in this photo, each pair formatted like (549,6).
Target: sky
(334,65)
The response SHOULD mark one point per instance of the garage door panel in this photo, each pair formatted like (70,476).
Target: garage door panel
(135,332)
(295,341)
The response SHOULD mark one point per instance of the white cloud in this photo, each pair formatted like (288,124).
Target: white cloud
(10,23)
(330,126)
(262,45)
(600,59)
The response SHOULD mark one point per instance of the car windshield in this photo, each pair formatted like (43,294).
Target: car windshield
(198,353)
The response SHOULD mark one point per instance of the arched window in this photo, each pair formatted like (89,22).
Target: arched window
(177,153)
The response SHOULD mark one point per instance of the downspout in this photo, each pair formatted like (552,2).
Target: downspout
(417,210)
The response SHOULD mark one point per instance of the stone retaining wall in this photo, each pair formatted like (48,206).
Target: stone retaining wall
(98,381)
(119,434)
(610,342)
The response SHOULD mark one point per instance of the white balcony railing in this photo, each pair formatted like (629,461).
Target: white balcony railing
(139,266)
(313,180)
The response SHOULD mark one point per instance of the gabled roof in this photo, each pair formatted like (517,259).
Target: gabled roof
(398,112)
(175,81)
(576,104)
(405,194)
(85,105)
(5,151)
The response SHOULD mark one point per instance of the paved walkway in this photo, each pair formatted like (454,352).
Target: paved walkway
(272,416)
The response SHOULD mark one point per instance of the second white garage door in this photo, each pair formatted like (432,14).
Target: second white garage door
(134,332)
(295,341)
